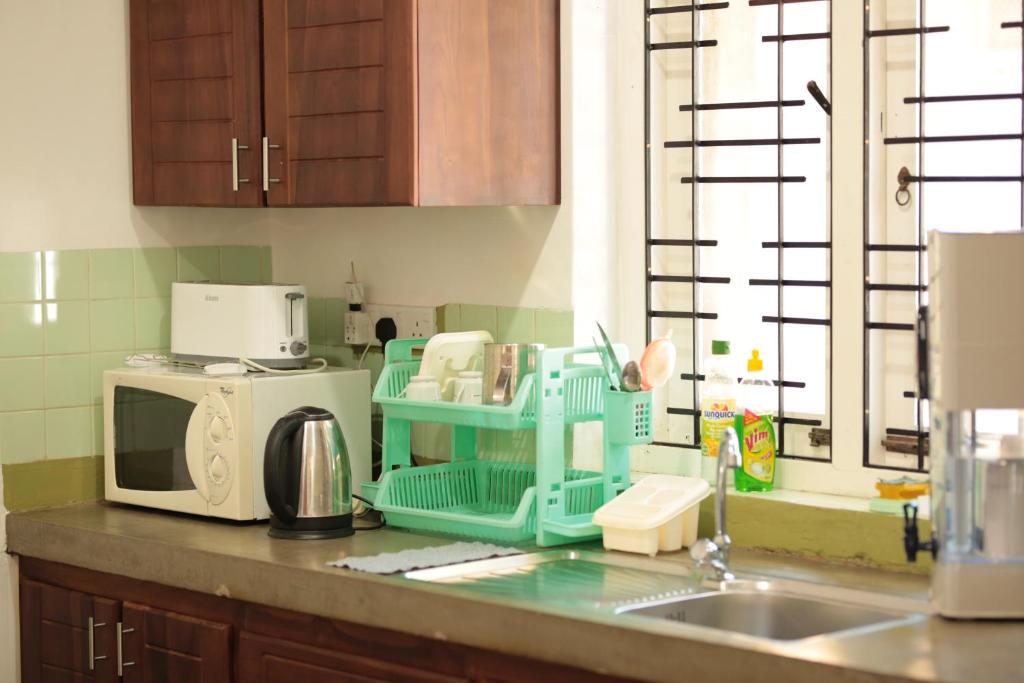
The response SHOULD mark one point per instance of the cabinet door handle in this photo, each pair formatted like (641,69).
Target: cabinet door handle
(93,625)
(234,164)
(266,164)
(121,664)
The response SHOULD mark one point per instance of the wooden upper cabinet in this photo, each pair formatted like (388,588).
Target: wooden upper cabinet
(338,101)
(359,102)
(488,95)
(195,89)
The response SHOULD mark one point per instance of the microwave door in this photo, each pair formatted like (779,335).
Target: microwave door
(151,450)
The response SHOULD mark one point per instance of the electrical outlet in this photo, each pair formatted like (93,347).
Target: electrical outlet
(413,322)
(357,328)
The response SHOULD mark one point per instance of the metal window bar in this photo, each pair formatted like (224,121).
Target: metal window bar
(696,179)
(920,179)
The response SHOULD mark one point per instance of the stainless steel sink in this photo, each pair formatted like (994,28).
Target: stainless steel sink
(626,586)
(769,614)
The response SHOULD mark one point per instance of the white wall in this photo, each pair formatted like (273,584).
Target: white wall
(65,180)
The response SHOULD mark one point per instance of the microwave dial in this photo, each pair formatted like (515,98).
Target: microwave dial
(218,429)
(218,470)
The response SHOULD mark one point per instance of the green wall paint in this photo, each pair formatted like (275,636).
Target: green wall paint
(869,539)
(51,483)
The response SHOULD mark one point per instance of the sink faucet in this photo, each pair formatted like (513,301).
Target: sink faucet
(711,555)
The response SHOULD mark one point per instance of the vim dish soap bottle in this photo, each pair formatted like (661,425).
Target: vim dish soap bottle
(717,406)
(755,429)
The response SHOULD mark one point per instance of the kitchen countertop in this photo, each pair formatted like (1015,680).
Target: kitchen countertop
(241,561)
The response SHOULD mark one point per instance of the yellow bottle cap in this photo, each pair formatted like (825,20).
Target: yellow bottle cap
(754,363)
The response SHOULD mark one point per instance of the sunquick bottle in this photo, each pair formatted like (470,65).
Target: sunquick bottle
(717,406)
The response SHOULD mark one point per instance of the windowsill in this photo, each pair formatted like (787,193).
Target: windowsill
(831,501)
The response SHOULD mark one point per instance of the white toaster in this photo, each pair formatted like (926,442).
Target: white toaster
(267,324)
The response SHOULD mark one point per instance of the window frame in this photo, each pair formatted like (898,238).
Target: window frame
(846,473)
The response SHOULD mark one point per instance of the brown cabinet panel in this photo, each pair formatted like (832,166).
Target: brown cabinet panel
(313,74)
(180,18)
(488,102)
(320,12)
(208,99)
(339,136)
(55,635)
(164,647)
(271,660)
(345,181)
(335,46)
(190,57)
(193,60)
(205,184)
(192,141)
(316,93)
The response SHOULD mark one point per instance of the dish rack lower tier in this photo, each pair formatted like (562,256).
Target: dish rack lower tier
(491,500)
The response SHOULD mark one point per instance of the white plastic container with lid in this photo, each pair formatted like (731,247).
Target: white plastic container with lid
(658,513)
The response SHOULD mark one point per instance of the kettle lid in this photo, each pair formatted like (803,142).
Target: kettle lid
(312,413)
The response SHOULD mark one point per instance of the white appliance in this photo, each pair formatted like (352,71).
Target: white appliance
(973,377)
(180,440)
(267,324)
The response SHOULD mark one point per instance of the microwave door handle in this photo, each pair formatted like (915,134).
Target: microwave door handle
(195,448)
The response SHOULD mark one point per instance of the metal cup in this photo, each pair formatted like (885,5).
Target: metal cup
(504,367)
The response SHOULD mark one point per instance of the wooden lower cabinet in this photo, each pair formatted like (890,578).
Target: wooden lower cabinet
(271,660)
(143,632)
(163,647)
(66,635)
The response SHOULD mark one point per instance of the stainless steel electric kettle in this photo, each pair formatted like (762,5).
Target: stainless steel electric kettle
(307,476)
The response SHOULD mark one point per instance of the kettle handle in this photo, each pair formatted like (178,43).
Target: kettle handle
(273,466)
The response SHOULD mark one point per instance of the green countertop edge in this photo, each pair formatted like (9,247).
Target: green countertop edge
(52,483)
(851,537)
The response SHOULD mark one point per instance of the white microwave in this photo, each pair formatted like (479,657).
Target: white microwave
(178,439)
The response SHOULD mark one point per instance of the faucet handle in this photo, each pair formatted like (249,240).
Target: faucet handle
(701,549)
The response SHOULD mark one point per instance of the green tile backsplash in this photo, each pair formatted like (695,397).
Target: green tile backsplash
(22,329)
(21,276)
(198,263)
(111,274)
(65,317)
(155,270)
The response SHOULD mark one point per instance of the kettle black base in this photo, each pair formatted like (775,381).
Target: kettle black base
(312,528)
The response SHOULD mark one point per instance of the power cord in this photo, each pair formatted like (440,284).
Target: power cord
(321,366)
(369,507)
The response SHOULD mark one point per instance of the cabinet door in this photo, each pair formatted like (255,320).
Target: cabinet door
(338,101)
(270,660)
(163,647)
(56,628)
(195,94)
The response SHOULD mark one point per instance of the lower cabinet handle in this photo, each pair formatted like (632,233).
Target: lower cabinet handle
(266,164)
(92,644)
(235,180)
(121,664)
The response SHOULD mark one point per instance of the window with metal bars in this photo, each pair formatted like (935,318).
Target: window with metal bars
(943,127)
(738,224)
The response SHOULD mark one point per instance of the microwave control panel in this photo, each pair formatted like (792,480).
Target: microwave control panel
(219,442)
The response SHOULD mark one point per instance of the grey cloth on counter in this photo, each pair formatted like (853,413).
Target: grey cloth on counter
(423,558)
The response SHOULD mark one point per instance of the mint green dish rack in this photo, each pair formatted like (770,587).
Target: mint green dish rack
(499,501)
